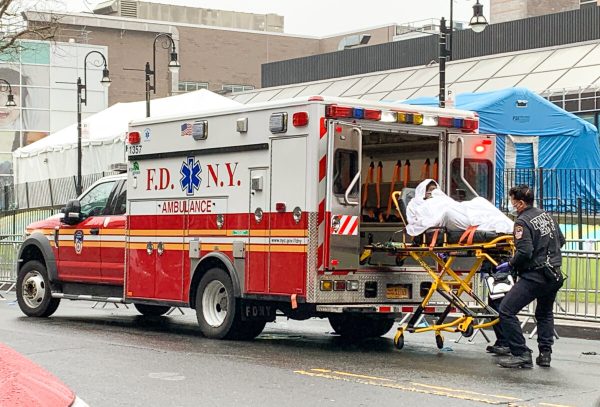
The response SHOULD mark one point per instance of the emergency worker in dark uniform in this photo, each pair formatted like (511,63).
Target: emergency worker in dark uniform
(537,263)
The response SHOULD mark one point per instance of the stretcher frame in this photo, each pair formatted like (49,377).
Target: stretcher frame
(451,285)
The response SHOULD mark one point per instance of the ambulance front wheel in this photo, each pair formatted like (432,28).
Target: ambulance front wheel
(33,291)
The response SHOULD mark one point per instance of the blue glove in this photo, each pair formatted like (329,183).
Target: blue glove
(503,268)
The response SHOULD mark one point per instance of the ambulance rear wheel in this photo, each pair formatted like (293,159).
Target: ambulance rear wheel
(33,291)
(152,310)
(359,327)
(216,309)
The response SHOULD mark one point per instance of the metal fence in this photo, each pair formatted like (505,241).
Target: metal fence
(570,195)
(52,192)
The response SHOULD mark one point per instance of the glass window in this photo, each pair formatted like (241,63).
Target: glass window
(485,69)
(314,89)
(578,78)
(345,167)
(478,173)
(523,64)
(539,82)
(339,87)
(500,83)
(592,58)
(94,202)
(35,75)
(265,96)
(392,81)
(289,92)
(364,85)
(421,77)
(120,203)
(564,58)
(237,88)
(35,97)
(462,87)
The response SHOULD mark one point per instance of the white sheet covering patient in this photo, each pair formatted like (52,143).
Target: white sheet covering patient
(433,208)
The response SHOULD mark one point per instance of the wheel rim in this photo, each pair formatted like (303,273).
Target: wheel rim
(34,289)
(215,301)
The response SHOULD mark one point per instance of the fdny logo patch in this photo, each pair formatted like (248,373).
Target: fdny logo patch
(190,176)
(518,231)
(78,240)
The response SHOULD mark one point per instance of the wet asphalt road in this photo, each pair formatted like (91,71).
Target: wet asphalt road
(114,357)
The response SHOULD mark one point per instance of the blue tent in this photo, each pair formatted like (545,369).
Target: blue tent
(533,134)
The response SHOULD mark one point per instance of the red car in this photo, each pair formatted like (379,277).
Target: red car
(25,384)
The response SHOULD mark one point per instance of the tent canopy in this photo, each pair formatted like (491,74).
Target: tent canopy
(103,137)
(534,133)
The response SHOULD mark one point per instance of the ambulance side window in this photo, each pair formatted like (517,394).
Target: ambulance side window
(345,167)
(96,200)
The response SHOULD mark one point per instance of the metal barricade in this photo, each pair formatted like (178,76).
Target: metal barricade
(9,247)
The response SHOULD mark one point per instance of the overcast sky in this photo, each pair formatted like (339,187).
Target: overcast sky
(326,17)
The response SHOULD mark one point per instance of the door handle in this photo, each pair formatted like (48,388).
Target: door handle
(95,231)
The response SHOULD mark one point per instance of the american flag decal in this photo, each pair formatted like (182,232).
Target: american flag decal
(348,226)
(186,129)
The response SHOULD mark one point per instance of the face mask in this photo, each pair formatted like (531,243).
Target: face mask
(512,210)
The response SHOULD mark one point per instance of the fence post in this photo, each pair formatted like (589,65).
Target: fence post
(50,188)
(75,183)
(541,186)
(6,198)
(580,222)
(27,194)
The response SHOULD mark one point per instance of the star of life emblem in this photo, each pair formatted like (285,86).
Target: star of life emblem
(190,176)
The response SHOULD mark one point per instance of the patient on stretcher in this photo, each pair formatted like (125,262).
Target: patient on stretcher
(431,208)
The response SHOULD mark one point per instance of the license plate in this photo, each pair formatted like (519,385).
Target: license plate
(397,292)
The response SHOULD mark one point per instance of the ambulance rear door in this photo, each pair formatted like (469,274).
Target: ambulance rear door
(343,190)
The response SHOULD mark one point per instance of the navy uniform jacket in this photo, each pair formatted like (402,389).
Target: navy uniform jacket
(537,239)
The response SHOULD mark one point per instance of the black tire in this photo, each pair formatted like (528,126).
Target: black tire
(34,294)
(221,318)
(249,330)
(152,310)
(358,327)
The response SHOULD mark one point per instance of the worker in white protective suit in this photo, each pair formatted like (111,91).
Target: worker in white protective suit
(431,207)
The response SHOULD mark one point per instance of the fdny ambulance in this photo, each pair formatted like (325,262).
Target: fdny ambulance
(259,210)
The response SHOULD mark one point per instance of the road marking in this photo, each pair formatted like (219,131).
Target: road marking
(387,383)
(422,388)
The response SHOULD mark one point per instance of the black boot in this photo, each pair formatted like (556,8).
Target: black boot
(498,350)
(544,359)
(521,361)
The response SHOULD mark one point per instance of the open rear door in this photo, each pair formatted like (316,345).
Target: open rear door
(345,146)
(471,163)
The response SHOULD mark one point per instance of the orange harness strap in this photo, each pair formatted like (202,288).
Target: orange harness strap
(434,239)
(378,183)
(368,181)
(395,178)
(425,169)
(406,173)
(468,235)
(435,169)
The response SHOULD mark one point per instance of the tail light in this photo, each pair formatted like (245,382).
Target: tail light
(134,137)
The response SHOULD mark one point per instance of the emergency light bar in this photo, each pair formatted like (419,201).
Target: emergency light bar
(341,112)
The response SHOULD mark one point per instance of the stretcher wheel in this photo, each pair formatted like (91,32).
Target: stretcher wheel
(399,261)
(399,339)
(469,331)
(439,340)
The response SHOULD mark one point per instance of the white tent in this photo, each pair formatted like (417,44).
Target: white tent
(103,137)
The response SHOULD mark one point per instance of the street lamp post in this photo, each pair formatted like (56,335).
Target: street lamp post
(10,101)
(477,23)
(82,86)
(150,71)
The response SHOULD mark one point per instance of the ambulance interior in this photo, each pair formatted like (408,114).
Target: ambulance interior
(399,162)
(392,162)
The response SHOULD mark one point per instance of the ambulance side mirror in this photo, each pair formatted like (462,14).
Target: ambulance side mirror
(72,212)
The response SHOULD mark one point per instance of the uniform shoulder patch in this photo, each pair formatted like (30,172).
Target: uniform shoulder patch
(518,231)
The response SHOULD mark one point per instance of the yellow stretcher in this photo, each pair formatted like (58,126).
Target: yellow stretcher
(455,287)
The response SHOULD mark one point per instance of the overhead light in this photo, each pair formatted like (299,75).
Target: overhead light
(478,21)
(10,102)
(105,81)
(174,64)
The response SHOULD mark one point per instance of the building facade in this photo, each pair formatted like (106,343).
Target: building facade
(510,10)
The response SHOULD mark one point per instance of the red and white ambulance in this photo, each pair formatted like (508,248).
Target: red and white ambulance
(265,208)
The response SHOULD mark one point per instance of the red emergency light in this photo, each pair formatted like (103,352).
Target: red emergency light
(338,111)
(134,137)
(470,124)
(480,149)
(300,119)
(445,121)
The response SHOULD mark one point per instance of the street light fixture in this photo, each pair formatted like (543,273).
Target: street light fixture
(478,23)
(82,86)
(150,71)
(10,101)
